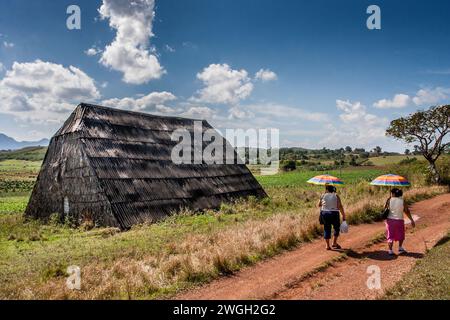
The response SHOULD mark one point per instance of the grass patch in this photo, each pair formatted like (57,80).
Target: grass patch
(299,178)
(429,279)
(151,261)
(12,204)
(385,160)
(29,154)
(158,260)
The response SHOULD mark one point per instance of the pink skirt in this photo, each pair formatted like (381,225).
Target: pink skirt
(395,230)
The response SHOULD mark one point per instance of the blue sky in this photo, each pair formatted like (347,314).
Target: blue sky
(312,69)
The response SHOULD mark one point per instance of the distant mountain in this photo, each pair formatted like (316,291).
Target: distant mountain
(8,143)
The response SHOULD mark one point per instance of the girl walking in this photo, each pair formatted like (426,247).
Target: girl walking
(395,223)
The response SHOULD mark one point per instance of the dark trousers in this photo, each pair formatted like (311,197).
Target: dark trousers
(330,219)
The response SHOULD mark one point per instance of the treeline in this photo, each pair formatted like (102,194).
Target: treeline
(332,154)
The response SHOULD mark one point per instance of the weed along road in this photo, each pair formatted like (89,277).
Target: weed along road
(310,272)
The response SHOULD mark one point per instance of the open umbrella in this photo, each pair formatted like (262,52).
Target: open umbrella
(391,180)
(325,179)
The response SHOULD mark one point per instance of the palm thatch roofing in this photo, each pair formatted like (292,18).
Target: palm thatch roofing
(114,168)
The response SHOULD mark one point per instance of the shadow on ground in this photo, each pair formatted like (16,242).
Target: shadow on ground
(381,255)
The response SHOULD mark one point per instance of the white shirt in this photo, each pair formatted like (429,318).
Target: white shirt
(329,202)
(396,206)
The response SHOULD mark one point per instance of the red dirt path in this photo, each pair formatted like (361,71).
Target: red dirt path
(283,277)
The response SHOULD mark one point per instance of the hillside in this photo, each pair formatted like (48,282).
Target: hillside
(8,143)
(28,154)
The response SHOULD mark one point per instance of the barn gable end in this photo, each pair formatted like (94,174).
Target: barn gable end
(115,167)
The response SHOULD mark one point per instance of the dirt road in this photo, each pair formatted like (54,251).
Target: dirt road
(295,275)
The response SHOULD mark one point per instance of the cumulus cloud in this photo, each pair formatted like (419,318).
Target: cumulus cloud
(266,75)
(129,53)
(93,51)
(240,113)
(399,101)
(223,85)
(44,91)
(356,127)
(431,96)
(153,102)
(199,112)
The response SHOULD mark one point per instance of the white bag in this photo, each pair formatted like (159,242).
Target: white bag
(344,227)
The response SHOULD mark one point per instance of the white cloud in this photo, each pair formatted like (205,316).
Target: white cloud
(273,110)
(104,84)
(93,51)
(199,112)
(129,53)
(266,75)
(399,101)
(431,96)
(2,67)
(169,48)
(223,85)
(239,113)
(43,91)
(153,102)
(8,44)
(356,127)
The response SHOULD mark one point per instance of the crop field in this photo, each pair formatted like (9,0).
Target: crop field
(299,178)
(386,160)
(28,154)
(158,260)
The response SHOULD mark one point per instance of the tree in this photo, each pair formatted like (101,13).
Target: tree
(427,128)
(407,152)
(377,150)
(348,149)
(289,165)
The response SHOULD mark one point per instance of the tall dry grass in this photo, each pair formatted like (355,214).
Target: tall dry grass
(200,257)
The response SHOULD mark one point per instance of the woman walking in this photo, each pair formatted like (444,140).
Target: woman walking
(330,206)
(395,224)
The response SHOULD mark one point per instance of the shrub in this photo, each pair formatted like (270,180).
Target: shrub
(289,165)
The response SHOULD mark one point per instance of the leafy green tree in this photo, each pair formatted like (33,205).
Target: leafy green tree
(428,129)
(377,150)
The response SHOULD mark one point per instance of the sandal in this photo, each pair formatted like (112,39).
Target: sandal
(336,246)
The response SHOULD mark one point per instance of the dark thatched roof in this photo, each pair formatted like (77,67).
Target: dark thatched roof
(115,167)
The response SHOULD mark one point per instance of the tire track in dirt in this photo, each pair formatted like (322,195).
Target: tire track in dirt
(283,277)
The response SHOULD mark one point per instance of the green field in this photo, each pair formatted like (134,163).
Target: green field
(29,154)
(13,204)
(17,176)
(386,160)
(182,251)
(23,167)
(299,178)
